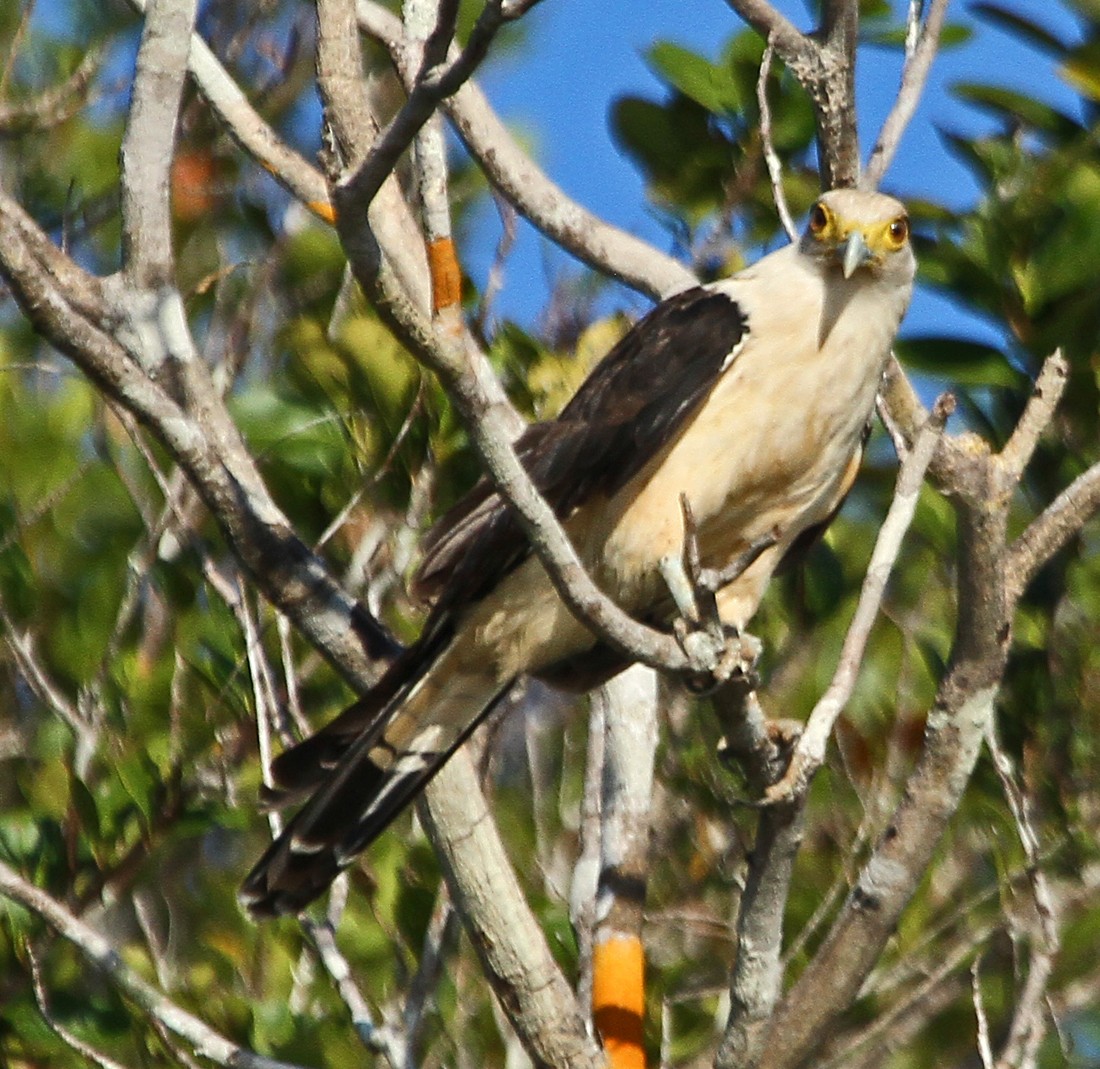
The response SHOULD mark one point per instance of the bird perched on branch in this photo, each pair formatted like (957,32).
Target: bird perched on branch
(748,399)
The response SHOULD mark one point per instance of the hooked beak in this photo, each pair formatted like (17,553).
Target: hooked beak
(856,253)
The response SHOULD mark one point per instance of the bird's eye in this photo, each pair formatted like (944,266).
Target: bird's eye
(819,219)
(899,231)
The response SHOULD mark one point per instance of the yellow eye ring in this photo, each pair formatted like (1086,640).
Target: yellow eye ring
(898,231)
(819,218)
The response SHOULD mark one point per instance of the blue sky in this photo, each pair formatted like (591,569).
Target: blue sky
(577,57)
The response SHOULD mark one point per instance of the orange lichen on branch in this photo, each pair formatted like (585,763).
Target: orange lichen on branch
(324,210)
(618,999)
(446,274)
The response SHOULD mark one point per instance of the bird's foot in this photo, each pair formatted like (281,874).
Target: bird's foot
(719,656)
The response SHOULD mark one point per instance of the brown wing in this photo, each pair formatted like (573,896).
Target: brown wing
(637,399)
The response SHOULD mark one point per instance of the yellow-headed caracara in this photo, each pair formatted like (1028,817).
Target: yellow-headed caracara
(750,396)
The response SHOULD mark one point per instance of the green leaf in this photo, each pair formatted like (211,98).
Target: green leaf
(138,776)
(967,363)
(1017,108)
(84,803)
(1082,69)
(696,77)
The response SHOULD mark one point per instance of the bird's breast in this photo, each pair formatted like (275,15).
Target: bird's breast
(768,451)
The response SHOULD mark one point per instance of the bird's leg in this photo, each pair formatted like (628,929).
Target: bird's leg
(716,578)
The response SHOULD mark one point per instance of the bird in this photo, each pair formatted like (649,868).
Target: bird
(748,399)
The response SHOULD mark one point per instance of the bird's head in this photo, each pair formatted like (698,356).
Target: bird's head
(857,230)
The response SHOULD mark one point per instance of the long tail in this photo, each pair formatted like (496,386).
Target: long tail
(363,769)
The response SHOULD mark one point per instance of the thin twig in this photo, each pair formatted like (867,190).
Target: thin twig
(1028,1018)
(985,1048)
(771,157)
(921,46)
(523,184)
(810,749)
(85,1050)
(206,1041)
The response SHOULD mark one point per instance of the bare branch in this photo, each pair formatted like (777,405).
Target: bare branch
(771,157)
(756,981)
(85,1050)
(794,48)
(1037,414)
(149,142)
(1029,1015)
(523,184)
(809,752)
(922,41)
(630,743)
(1060,521)
(761,748)
(206,1041)
(524,975)
(54,106)
(834,94)
(1068,513)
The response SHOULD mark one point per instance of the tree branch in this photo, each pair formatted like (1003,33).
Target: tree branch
(1037,415)
(630,710)
(67,307)
(522,183)
(1062,519)
(954,732)
(148,146)
(809,752)
(508,940)
(797,51)
(206,1041)
(921,46)
(761,748)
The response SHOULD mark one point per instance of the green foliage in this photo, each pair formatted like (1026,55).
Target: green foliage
(701,148)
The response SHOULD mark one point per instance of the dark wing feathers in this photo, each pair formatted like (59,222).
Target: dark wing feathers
(351,799)
(352,807)
(298,772)
(634,402)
